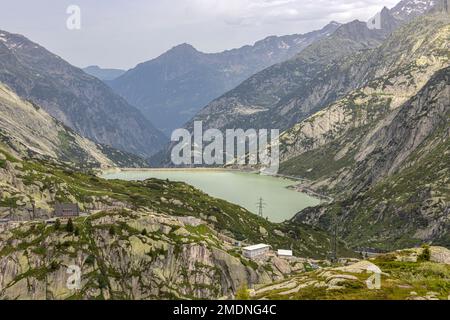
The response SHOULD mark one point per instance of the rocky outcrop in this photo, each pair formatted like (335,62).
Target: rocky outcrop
(401,71)
(128,263)
(32,132)
(391,276)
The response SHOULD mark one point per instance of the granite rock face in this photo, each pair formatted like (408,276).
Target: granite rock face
(31,132)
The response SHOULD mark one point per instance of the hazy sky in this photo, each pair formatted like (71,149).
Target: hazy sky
(122,33)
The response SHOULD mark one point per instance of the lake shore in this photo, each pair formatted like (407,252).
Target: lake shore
(242,187)
(301,188)
(117,170)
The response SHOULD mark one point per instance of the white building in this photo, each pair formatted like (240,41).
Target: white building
(256,251)
(285,253)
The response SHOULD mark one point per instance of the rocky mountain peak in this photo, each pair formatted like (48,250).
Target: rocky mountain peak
(356,30)
(11,41)
(409,9)
(183,49)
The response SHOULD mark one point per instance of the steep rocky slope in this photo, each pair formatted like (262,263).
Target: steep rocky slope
(399,69)
(395,184)
(382,150)
(80,101)
(31,132)
(285,93)
(170,89)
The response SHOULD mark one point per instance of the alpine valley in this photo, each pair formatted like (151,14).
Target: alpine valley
(364,113)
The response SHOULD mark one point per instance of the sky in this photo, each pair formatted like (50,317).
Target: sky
(123,33)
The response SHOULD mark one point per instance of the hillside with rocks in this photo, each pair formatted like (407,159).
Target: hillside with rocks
(138,240)
(381,150)
(80,101)
(31,132)
(401,184)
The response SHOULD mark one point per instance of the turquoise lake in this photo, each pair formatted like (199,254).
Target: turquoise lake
(244,189)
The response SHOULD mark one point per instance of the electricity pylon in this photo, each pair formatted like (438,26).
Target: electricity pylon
(261,205)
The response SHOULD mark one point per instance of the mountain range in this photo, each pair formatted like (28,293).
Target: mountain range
(173,87)
(365,120)
(104,74)
(283,94)
(344,104)
(77,99)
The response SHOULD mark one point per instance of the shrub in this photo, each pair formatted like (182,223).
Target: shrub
(69,226)
(242,293)
(90,260)
(112,231)
(425,255)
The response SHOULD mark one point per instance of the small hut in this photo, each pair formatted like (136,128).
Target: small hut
(67,210)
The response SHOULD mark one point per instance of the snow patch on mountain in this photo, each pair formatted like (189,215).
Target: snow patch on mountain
(408,9)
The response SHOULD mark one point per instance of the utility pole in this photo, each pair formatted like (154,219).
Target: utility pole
(334,244)
(261,205)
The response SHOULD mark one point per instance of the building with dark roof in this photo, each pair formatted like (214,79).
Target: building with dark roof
(67,210)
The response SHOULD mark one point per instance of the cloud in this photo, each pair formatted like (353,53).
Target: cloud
(258,12)
(122,33)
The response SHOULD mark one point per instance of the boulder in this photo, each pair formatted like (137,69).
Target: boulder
(440,255)
(359,267)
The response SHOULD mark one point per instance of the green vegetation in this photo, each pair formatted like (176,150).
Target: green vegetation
(425,255)
(69,226)
(57,224)
(242,293)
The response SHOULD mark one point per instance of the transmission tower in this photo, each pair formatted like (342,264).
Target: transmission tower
(261,205)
